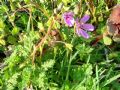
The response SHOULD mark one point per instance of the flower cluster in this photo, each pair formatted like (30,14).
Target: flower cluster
(81,26)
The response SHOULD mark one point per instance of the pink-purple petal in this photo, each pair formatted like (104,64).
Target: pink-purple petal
(69,22)
(68,18)
(83,33)
(88,27)
(78,32)
(72,22)
(85,18)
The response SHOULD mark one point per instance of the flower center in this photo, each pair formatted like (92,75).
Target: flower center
(81,23)
(67,18)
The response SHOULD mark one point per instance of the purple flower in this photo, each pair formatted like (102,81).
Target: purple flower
(82,27)
(68,18)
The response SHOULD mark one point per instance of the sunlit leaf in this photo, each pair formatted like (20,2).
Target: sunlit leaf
(107,40)
(27,1)
(15,31)
(69,46)
(2,41)
(40,26)
(2,25)
(76,9)
(5,8)
(111,80)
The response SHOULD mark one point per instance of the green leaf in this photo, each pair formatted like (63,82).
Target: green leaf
(48,64)
(11,39)
(13,7)
(1,24)
(12,82)
(26,73)
(5,8)
(107,40)
(27,1)
(111,79)
(15,31)
(79,87)
(28,25)
(88,69)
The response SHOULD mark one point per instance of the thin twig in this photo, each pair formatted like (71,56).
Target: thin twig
(42,41)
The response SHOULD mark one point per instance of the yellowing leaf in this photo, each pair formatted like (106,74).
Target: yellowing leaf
(69,46)
(40,26)
(76,9)
(57,25)
(116,38)
(12,18)
(2,41)
(107,40)
(49,21)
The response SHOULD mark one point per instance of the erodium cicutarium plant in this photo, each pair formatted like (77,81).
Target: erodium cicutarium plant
(81,26)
